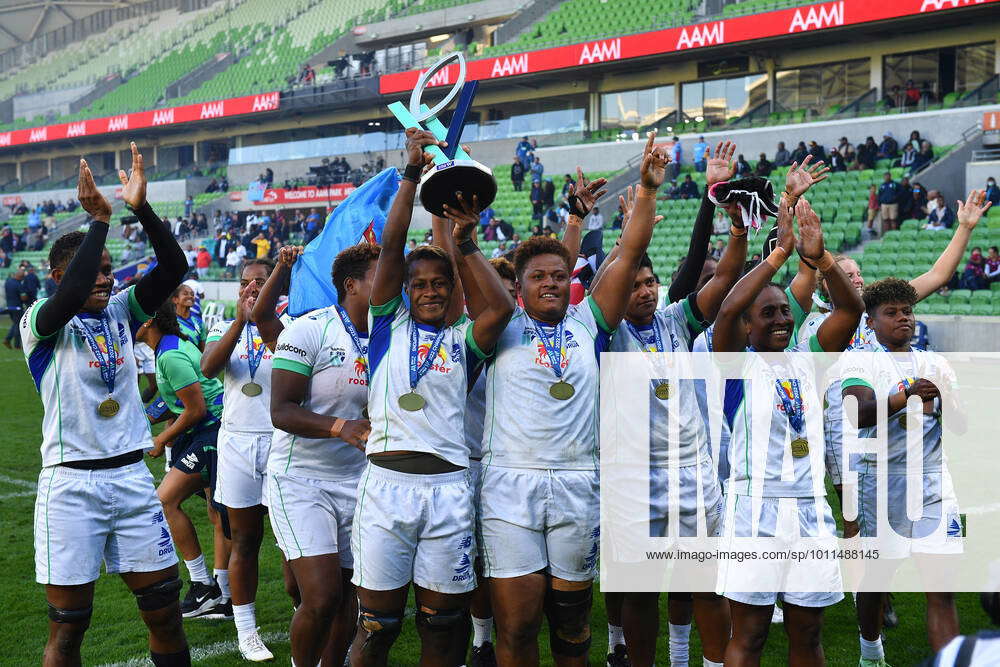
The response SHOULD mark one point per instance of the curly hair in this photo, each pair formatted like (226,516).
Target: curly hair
(64,248)
(352,262)
(431,253)
(539,245)
(165,320)
(504,268)
(888,290)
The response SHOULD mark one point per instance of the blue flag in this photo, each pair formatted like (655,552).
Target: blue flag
(361,217)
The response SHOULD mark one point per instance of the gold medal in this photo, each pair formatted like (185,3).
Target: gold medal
(562,391)
(108,408)
(662,391)
(800,447)
(252,389)
(412,402)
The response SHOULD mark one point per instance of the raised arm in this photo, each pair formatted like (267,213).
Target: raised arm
(441,231)
(171,264)
(730,334)
(262,314)
(730,267)
(217,352)
(969,213)
(718,169)
(612,293)
(581,201)
(473,268)
(388,283)
(76,281)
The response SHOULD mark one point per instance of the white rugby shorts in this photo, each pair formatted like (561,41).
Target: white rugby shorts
(242,468)
(415,528)
(312,517)
(533,520)
(84,517)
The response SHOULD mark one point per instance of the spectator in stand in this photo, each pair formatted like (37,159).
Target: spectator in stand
(224,184)
(872,209)
(537,169)
(567,188)
(17,301)
(699,155)
(911,96)
(313,225)
(905,199)
(941,217)
(867,154)
(191,254)
(517,174)
(817,151)
(689,189)
(764,167)
(32,284)
(908,158)
(716,252)
(974,275)
(992,193)
(924,157)
(203,262)
(742,167)
(411,245)
(676,158)
(993,265)
(263,246)
(536,230)
(188,206)
(842,145)
(850,157)
(919,197)
(548,194)
(888,149)
(7,241)
(35,217)
(535,195)
(499,251)
(524,151)
(562,215)
(782,158)
(616,222)
(234,258)
(486,217)
(915,140)
(269,177)
(888,199)
(307,75)
(836,161)
(800,152)
(71,205)
(515,241)
(596,221)
(50,285)
(213,186)
(221,248)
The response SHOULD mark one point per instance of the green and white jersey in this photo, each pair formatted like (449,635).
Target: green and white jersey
(318,346)
(675,327)
(765,466)
(439,427)
(68,378)
(526,427)
(178,365)
(890,373)
(193,327)
(242,413)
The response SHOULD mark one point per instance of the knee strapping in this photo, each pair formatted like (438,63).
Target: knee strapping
(381,626)
(75,616)
(159,595)
(569,627)
(440,620)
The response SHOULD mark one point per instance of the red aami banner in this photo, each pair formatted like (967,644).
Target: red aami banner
(714,33)
(12,200)
(133,121)
(304,195)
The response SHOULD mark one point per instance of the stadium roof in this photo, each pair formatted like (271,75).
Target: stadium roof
(23,20)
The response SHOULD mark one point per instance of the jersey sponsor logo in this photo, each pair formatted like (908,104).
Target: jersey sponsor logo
(542,357)
(337,356)
(440,361)
(817,17)
(702,35)
(291,349)
(360,372)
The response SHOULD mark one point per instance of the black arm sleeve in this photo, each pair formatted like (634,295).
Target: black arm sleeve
(171,264)
(76,284)
(690,270)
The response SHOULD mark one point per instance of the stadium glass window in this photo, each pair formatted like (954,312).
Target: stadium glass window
(974,66)
(635,109)
(818,88)
(938,72)
(718,100)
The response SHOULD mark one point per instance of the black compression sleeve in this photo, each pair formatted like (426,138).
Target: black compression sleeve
(76,284)
(171,264)
(690,269)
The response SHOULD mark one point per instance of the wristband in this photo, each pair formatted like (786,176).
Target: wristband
(338,427)
(774,260)
(412,173)
(737,231)
(825,262)
(468,247)
(807,263)
(789,200)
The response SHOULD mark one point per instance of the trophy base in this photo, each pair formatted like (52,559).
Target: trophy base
(469,177)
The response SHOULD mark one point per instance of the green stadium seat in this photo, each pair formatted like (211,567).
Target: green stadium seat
(959,296)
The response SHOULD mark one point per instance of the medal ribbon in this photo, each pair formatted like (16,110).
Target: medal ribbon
(657,336)
(902,375)
(108,366)
(353,333)
(553,346)
(791,398)
(253,356)
(417,372)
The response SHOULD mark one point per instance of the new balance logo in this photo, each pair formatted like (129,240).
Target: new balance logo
(190,460)
(158,517)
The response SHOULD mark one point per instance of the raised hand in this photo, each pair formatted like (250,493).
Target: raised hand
(416,140)
(972,209)
(288,255)
(134,184)
(246,301)
(465,220)
(585,194)
(91,199)
(810,246)
(786,235)
(801,177)
(722,167)
(653,170)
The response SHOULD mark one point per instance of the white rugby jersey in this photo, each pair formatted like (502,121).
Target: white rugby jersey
(677,325)
(768,460)
(242,413)
(890,373)
(525,426)
(318,346)
(703,343)
(439,427)
(475,416)
(68,378)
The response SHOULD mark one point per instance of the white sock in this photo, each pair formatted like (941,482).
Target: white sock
(197,570)
(482,630)
(222,576)
(872,650)
(710,663)
(679,640)
(245,616)
(616,636)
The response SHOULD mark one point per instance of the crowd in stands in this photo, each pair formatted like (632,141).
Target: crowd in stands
(22,288)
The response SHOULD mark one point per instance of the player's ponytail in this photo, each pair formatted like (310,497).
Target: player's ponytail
(165,320)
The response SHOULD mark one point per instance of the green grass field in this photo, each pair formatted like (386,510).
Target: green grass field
(117,635)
